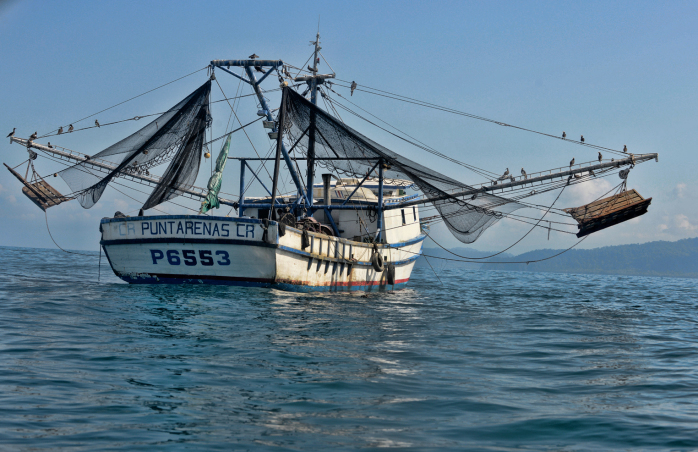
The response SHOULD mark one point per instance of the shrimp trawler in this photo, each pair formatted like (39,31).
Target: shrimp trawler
(357,227)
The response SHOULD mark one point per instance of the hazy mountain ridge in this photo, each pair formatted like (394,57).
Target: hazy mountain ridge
(661,258)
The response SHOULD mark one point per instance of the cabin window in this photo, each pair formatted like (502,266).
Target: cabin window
(414,213)
(404,221)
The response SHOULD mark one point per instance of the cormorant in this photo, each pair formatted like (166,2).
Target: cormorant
(253,56)
(523,173)
(11,134)
(96,123)
(600,156)
(353,87)
(582,139)
(571,162)
(33,136)
(625,149)
(564,135)
(70,128)
(60,130)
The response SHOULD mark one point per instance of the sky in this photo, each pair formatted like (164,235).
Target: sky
(620,73)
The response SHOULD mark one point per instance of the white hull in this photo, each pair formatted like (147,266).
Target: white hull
(191,249)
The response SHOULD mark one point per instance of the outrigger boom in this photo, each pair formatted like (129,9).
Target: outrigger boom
(194,193)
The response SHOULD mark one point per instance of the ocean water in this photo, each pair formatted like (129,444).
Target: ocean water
(488,360)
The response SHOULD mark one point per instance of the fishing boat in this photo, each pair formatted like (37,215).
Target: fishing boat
(356,227)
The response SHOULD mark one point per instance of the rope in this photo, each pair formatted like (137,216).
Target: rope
(127,100)
(510,246)
(54,242)
(470,115)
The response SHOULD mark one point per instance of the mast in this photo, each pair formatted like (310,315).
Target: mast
(311,132)
(252,80)
(277,162)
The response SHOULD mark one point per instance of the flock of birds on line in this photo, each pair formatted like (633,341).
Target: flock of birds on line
(506,174)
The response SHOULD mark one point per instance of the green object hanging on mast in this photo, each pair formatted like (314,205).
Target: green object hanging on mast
(214,182)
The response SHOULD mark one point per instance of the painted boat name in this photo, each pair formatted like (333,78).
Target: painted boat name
(210,229)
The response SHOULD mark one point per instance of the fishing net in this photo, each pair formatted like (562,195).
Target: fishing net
(177,136)
(466,218)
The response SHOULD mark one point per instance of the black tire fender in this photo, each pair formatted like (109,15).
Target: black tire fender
(377,262)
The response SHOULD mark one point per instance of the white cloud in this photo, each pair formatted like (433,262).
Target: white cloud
(682,222)
(580,194)
(680,191)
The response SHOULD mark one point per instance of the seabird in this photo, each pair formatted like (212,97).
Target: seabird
(258,69)
(582,139)
(33,136)
(564,135)
(505,175)
(60,130)
(600,156)
(592,173)
(49,145)
(253,56)
(96,123)
(353,87)
(312,69)
(571,162)
(625,149)
(11,134)
(70,128)
(577,176)
(523,173)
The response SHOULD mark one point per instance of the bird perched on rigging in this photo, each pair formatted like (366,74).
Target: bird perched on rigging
(523,173)
(564,135)
(592,173)
(60,130)
(11,134)
(505,175)
(582,139)
(33,136)
(258,69)
(353,87)
(625,149)
(577,176)
(288,74)
(253,56)
(96,123)
(571,162)
(70,128)
(49,145)
(512,178)
(600,156)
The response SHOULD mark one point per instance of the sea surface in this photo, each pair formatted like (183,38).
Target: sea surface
(485,360)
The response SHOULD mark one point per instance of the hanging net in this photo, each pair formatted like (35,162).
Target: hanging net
(466,218)
(177,136)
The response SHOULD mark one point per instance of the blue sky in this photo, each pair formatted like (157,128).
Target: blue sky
(617,72)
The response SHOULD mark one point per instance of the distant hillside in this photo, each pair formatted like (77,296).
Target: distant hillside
(673,259)
(440,253)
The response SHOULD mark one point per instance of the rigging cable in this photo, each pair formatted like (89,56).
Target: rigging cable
(482,172)
(470,115)
(135,97)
